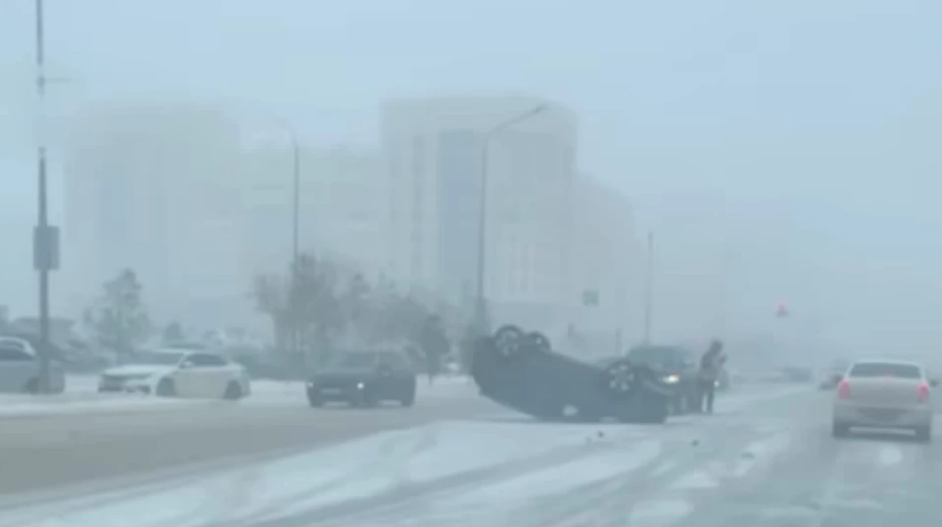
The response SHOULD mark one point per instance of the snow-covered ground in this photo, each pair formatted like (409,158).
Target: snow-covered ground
(82,396)
(490,471)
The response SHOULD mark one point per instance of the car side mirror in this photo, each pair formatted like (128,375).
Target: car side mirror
(934,383)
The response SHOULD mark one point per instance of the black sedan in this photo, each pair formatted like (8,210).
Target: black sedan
(364,378)
(520,371)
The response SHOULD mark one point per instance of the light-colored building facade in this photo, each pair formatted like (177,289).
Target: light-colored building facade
(343,208)
(608,264)
(435,156)
(149,187)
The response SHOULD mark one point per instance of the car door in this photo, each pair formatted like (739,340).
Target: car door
(186,379)
(210,374)
(400,377)
(17,367)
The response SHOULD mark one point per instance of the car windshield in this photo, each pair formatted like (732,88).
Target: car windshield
(155,359)
(355,360)
(886,369)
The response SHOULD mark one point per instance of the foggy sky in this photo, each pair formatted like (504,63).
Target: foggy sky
(814,126)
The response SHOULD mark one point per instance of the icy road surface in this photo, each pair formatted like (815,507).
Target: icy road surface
(766,458)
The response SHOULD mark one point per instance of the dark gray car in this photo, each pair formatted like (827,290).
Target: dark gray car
(677,367)
(364,378)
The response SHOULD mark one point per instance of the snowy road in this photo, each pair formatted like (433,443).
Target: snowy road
(80,439)
(765,459)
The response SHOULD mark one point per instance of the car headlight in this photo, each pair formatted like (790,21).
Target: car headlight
(360,385)
(672,379)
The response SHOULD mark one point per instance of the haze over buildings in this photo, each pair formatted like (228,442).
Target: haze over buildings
(199,222)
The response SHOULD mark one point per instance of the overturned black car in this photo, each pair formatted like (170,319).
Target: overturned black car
(520,370)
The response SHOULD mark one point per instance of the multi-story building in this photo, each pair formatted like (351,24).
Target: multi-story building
(435,156)
(149,187)
(607,264)
(343,208)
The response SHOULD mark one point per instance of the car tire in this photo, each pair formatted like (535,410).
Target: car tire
(509,342)
(839,429)
(314,400)
(31,387)
(620,378)
(924,434)
(233,391)
(409,400)
(166,388)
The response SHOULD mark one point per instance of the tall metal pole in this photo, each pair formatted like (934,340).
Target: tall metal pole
(295,232)
(296,220)
(482,324)
(649,290)
(41,246)
(481,316)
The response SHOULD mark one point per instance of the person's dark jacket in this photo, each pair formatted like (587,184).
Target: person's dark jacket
(711,363)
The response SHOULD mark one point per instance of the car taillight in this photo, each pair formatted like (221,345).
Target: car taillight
(843,389)
(922,392)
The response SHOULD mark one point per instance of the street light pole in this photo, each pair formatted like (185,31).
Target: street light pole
(649,290)
(482,322)
(296,213)
(44,239)
(295,224)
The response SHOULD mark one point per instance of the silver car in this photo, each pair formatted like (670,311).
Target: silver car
(884,394)
(19,368)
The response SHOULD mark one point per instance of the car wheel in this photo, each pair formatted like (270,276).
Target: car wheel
(233,391)
(508,341)
(924,434)
(620,378)
(166,388)
(839,429)
(32,386)
(409,399)
(314,399)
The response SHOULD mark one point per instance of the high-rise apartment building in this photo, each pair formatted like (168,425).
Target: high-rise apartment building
(150,187)
(435,156)
(343,208)
(607,263)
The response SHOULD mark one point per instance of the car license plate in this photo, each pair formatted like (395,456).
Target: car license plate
(882,414)
(331,391)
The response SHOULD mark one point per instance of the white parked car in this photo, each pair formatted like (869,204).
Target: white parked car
(178,373)
(884,394)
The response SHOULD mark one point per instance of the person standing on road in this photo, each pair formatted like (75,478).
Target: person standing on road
(710,365)
(435,345)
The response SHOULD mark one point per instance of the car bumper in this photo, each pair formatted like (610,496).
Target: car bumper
(337,391)
(870,416)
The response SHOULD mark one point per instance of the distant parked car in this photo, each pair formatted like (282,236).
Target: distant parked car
(178,373)
(364,378)
(19,368)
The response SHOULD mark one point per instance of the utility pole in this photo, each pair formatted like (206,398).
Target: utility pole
(649,290)
(481,315)
(295,233)
(45,237)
